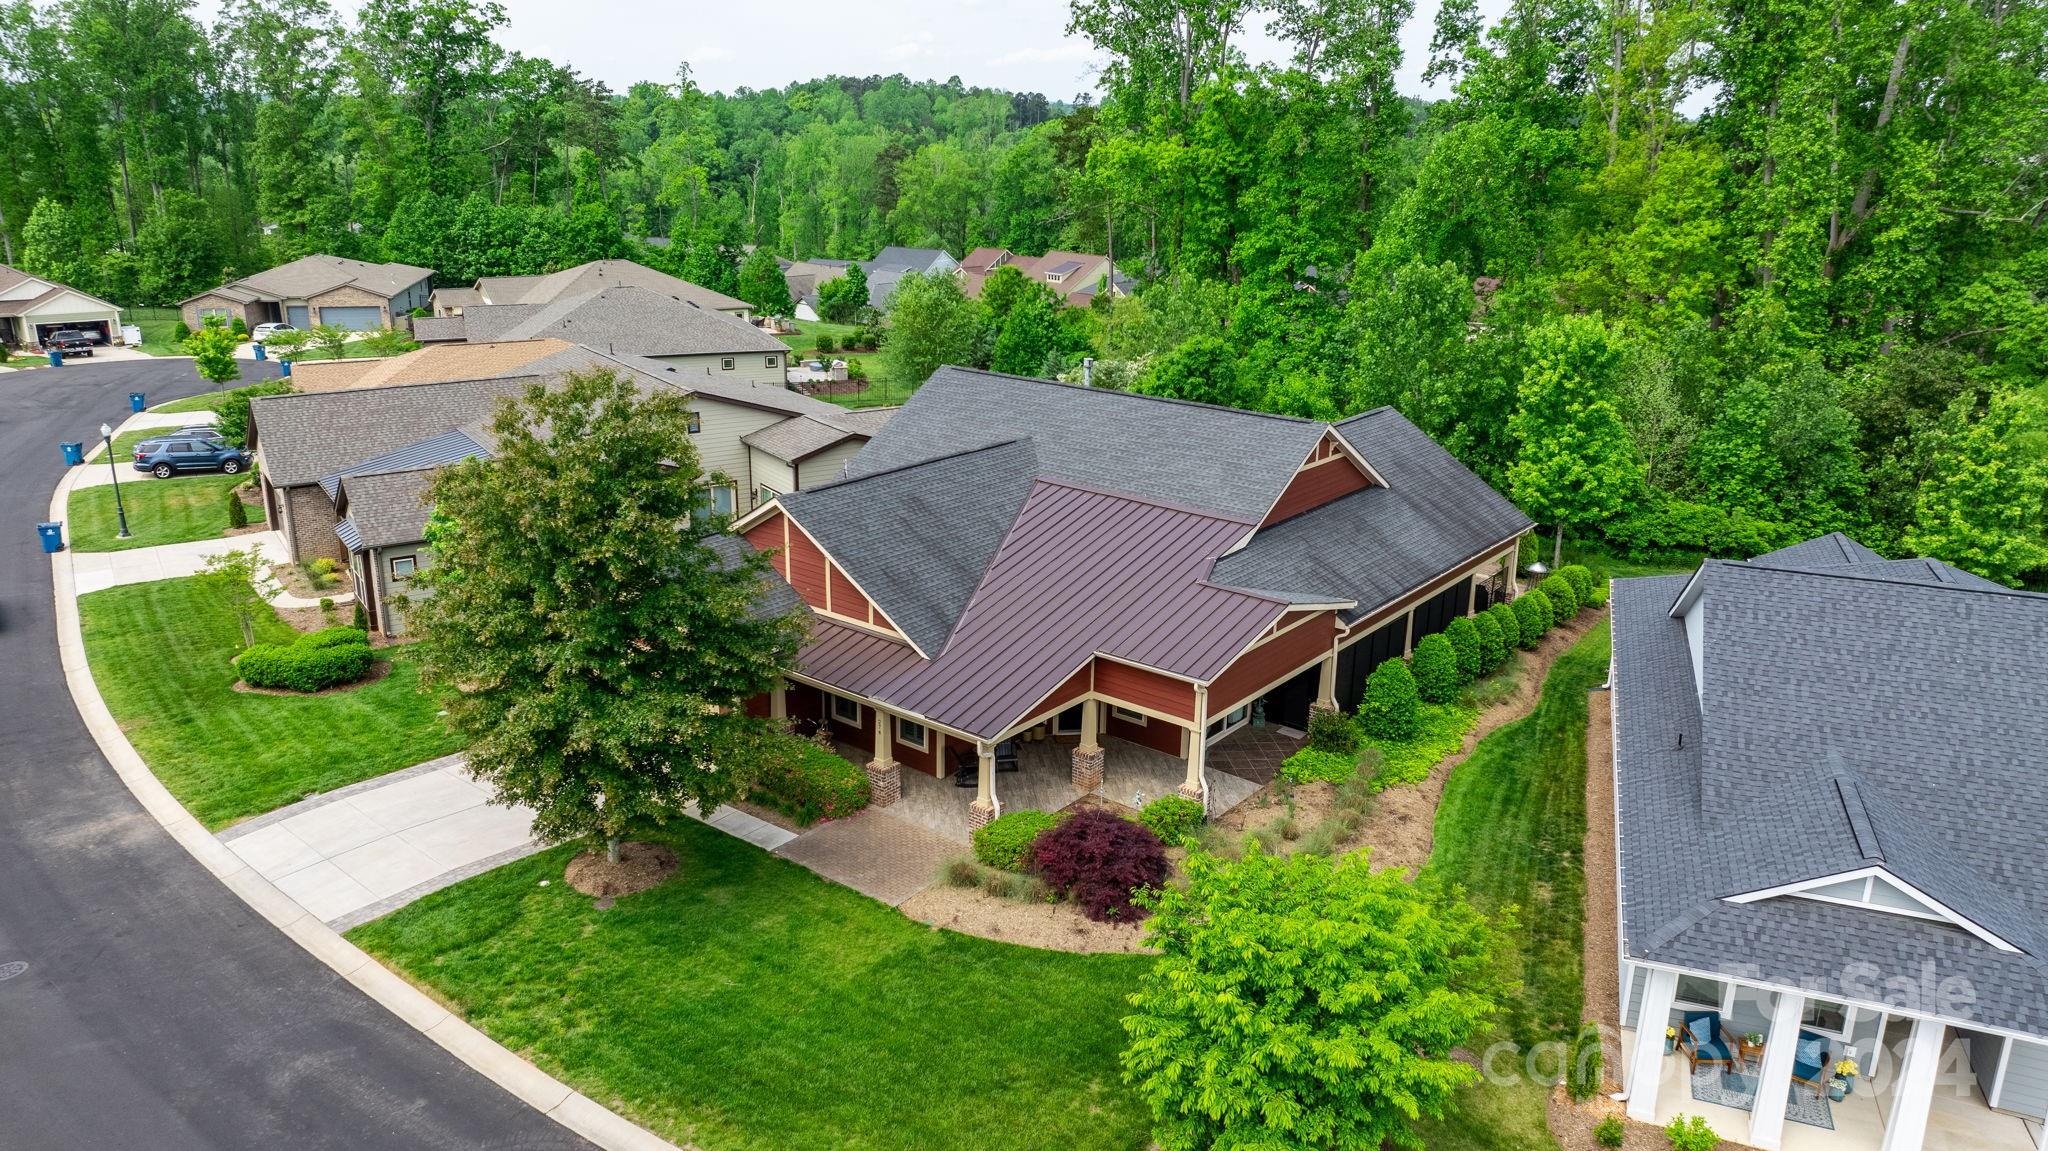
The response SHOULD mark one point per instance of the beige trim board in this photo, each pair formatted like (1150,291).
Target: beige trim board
(485,1056)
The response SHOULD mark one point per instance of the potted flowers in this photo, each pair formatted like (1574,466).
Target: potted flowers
(1670,1039)
(1844,1082)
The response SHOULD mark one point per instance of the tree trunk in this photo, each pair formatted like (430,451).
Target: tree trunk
(611,851)
(248,631)
(1557,548)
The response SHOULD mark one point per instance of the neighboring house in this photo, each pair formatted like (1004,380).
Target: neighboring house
(342,470)
(1012,556)
(1076,278)
(634,321)
(582,280)
(1829,782)
(32,307)
(805,277)
(315,290)
(433,364)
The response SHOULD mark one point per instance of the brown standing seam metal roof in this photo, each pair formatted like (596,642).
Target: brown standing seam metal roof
(1080,573)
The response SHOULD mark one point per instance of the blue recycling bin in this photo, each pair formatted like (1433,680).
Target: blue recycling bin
(74,454)
(52,537)
(135,403)
(284,367)
(56,358)
(259,351)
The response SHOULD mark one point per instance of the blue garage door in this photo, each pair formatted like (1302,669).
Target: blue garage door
(354,319)
(297,315)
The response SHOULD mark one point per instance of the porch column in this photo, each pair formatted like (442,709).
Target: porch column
(778,700)
(1408,634)
(1914,1095)
(1088,756)
(1774,1078)
(984,807)
(885,775)
(1326,682)
(1196,786)
(1646,1064)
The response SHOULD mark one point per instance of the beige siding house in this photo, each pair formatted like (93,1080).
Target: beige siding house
(32,308)
(581,280)
(315,290)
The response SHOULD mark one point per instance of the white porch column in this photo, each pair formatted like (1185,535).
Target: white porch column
(1774,1078)
(1646,1064)
(778,700)
(1326,682)
(1196,786)
(1089,756)
(1408,635)
(984,807)
(1913,1096)
(885,775)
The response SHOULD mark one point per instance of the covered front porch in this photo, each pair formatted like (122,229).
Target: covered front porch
(1922,1083)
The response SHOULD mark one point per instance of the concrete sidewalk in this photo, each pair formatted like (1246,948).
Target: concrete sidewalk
(97,571)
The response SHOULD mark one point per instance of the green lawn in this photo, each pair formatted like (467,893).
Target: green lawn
(881,390)
(159,330)
(749,1004)
(204,403)
(160,651)
(159,511)
(124,443)
(1511,829)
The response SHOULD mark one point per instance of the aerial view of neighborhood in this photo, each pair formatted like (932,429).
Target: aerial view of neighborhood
(1073,575)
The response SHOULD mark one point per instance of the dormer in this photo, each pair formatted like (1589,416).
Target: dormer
(1333,469)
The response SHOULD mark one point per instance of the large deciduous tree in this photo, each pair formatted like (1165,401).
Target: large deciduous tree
(1301,1004)
(1981,507)
(594,628)
(931,324)
(1576,465)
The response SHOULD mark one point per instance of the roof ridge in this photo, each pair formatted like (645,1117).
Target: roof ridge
(1169,505)
(1142,396)
(901,468)
(1846,571)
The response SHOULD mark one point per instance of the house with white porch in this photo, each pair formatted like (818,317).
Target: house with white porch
(1830,785)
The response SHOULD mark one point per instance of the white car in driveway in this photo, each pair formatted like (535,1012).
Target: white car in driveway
(262,332)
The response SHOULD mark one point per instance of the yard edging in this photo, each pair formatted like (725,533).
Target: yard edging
(536,1088)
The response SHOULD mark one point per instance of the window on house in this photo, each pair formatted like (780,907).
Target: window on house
(725,364)
(696,420)
(1068,722)
(1699,991)
(1820,1015)
(769,361)
(767,493)
(403,566)
(910,733)
(722,497)
(1127,715)
(846,710)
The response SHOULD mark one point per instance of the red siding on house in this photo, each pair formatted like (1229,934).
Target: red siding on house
(1328,474)
(1157,734)
(862,737)
(914,759)
(1146,689)
(1273,660)
(847,600)
(758,706)
(807,569)
(1063,696)
(766,536)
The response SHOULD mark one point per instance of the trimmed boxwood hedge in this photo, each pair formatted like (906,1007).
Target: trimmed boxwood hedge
(1492,650)
(1510,625)
(1005,841)
(1464,637)
(1563,597)
(1435,669)
(1172,817)
(1532,613)
(1390,701)
(315,662)
(807,783)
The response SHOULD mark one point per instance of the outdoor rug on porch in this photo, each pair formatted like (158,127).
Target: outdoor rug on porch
(1731,1089)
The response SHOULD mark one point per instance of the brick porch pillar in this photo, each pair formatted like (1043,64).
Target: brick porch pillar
(885,775)
(984,808)
(1089,756)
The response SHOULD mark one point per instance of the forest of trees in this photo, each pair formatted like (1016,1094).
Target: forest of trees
(1684,274)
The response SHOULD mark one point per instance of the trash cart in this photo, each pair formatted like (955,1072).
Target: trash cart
(135,402)
(52,536)
(259,351)
(74,454)
(56,358)
(284,367)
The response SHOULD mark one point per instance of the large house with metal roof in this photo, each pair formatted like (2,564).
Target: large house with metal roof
(1828,815)
(345,470)
(1018,559)
(314,290)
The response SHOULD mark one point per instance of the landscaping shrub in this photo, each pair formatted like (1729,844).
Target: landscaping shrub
(1439,731)
(1510,626)
(1610,1133)
(1564,599)
(1582,580)
(1532,612)
(825,344)
(238,513)
(239,327)
(1098,859)
(806,782)
(234,408)
(1332,731)
(1172,817)
(1492,651)
(1436,669)
(1314,765)
(1582,1075)
(1389,708)
(181,333)
(855,370)
(964,872)
(1672,529)
(1691,1133)
(1464,637)
(324,659)
(1597,597)
(1006,841)
(362,617)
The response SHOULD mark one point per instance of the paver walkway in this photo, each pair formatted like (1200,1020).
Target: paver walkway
(874,853)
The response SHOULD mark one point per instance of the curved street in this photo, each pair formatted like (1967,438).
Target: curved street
(143,1004)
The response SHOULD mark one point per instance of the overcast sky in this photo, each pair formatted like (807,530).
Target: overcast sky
(1020,45)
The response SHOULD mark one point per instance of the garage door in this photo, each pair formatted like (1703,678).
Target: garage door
(99,331)
(353,319)
(296,316)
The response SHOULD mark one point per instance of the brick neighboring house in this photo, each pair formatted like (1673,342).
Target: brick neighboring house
(1075,277)
(891,264)
(344,470)
(1012,557)
(315,290)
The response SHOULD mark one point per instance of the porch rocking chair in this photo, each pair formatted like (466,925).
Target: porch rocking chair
(1811,1066)
(1704,1039)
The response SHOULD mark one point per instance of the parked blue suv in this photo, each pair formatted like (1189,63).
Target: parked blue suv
(188,450)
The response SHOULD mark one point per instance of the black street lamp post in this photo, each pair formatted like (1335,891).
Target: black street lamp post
(120,512)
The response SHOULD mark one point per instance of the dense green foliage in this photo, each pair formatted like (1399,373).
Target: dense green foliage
(1348,992)
(804,781)
(1006,840)
(1172,817)
(1509,623)
(1561,595)
(1315,765)
(1332,730)
(1533,616)
(1435,668)
(1493,649)
(1388,709)
(1463,635)
(310,663)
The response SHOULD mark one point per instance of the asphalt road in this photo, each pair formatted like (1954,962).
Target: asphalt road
(156,1010)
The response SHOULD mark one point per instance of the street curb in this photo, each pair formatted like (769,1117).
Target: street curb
(538,1089)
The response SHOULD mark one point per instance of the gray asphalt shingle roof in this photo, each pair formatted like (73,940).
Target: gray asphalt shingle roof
(311,275)
(386,508)
(1848,717)
(1227,461)
(1373,546)
(305,436)
(432,452)
(627,320)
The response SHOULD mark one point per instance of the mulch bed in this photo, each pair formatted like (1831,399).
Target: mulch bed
(378,670)
(640,866)
(1599,954)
